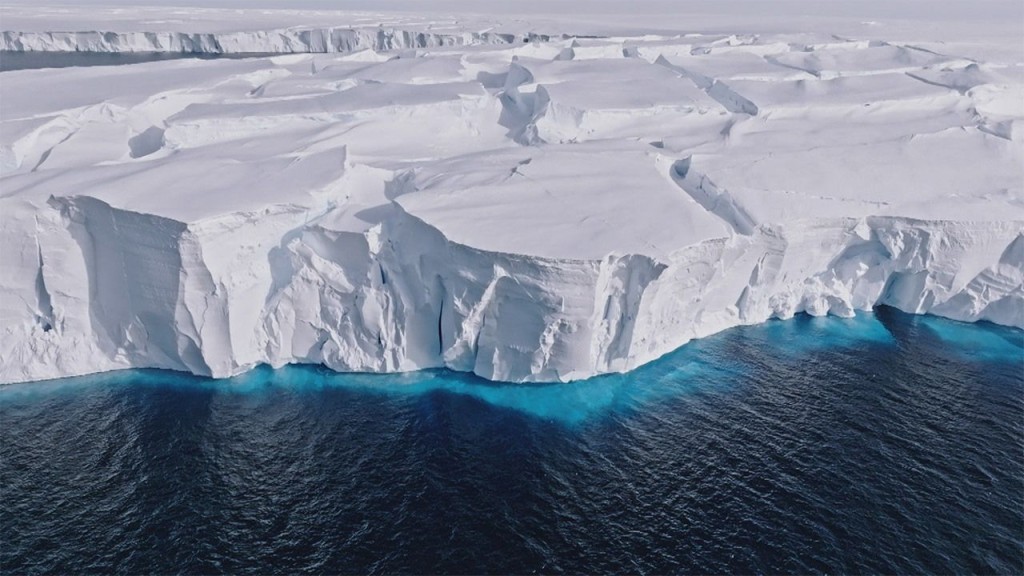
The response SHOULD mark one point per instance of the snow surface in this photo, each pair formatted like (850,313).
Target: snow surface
(406,190)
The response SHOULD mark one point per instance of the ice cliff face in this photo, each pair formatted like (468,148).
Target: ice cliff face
(535,212)
(114,289)
(286,41)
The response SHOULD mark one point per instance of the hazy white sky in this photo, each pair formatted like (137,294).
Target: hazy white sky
(922,19)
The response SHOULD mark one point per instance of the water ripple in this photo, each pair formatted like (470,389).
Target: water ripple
(889,444)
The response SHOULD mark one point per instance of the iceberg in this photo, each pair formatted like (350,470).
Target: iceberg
(527,203)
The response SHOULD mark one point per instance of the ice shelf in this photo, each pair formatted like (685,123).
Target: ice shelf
(527,202)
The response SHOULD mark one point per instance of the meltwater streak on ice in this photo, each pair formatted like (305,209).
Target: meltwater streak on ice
(887,444)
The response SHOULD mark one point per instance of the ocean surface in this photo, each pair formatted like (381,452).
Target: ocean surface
(14,60)
(887,443)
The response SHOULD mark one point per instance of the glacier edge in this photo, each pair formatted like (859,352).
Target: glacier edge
(393,192)
(400,296)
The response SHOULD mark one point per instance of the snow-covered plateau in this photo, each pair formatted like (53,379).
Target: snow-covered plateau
(527,200)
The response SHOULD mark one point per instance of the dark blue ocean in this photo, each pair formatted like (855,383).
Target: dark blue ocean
(888,443)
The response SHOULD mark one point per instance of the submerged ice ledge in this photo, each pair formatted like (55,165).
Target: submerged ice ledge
(522,211)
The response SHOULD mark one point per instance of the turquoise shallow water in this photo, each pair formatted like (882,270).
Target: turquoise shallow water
(885,443)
